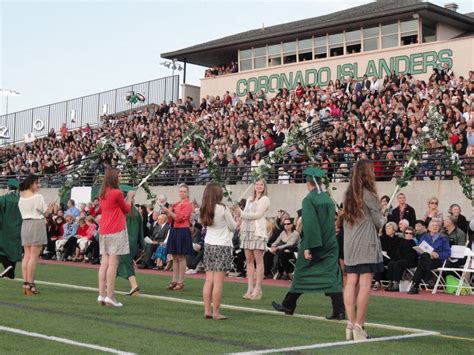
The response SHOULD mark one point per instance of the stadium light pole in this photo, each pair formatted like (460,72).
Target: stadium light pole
(7,93)
(173,65)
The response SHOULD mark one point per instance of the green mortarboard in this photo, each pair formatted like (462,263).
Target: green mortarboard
(313,172)
(126,188)
(13,184)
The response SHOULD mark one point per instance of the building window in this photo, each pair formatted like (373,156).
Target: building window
(353,42)
(336,45)
(274,55)
(259,57)
(371,38)
(408,32)
(320,47)
(305,50)
(390,35)
(428,32)
(289,52)
(245,59)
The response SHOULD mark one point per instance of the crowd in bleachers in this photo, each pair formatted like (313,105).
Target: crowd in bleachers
(379,119)
(218,70)
(72,236)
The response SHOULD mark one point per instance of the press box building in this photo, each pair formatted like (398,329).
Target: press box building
(407,36)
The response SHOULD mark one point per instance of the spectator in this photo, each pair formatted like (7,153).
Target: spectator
(284,249)
(403,211)
(460,220)
(72,209)
(70,231)
(433,213)
(427,262)
(455,235)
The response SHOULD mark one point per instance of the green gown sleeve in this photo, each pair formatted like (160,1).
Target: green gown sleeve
(312,237)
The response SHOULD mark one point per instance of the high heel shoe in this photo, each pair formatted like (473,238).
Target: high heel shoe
(26,289)
(359,333)
(33,289)
(134,292)
(179,286)
(246,296)
(111,303)
(256,297)
(172,285)
(101,300)
(349,331)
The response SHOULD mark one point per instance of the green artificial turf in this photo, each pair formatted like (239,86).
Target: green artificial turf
(151,326)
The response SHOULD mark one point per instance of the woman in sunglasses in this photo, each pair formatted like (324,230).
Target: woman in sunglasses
(433,212)
(408,258)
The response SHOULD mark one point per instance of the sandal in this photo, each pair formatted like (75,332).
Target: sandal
(134,292)
(33,289)
(179,286)
(172,285)
(26,289)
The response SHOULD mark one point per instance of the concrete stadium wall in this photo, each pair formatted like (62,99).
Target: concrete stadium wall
(289,197)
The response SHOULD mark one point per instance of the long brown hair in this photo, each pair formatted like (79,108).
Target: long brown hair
(213,194)
(363,177)
(111,181)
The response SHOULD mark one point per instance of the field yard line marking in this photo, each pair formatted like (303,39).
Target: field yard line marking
(455,337)
(235,308)
(64,340)
(338,343)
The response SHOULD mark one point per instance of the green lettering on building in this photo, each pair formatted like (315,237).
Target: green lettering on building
(417,63)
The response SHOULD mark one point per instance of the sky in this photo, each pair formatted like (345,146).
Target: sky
(51,51)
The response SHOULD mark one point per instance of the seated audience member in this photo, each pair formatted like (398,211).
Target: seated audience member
(420,229)
(433,212)
(71,245)
(160,230)
(428,262)
(403,211)
(402,225)
(274,231)
(72,209)
(284,249)
(459,219)
(408,258)
(455,235)
(70,231)
(54,229)
(85,234)
(192,261)
(391,247)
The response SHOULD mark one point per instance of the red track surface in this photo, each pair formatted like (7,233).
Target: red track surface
(422,296)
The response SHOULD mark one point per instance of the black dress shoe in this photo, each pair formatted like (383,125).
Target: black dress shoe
(413,290)
(338,316)
(281,308)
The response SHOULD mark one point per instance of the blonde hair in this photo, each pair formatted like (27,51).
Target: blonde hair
(265,189)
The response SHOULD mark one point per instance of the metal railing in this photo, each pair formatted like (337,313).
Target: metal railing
(84,110)
(432,167)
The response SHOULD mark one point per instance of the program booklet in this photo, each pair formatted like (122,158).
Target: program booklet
(424,247)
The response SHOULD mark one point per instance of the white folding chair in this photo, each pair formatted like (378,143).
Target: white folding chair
(457,252)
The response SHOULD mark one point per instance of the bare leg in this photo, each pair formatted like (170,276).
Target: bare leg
(260,271)
(175,268)
(207,292)
(103,275)
(24,264)
(111,275)
(35,252)
(250,270)
(133,283)
(217,293)
(182,268)
(350,296)
(365,281)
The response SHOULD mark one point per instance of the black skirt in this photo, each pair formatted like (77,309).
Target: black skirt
(364,268)
(180,242)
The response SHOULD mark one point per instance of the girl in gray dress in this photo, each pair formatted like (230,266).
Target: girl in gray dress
(33,210)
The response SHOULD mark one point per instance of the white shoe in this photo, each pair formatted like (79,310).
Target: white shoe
(110,302)
(191,272)
(101,300)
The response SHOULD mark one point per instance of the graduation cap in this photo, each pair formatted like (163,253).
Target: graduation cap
(314,174)
(13,184)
